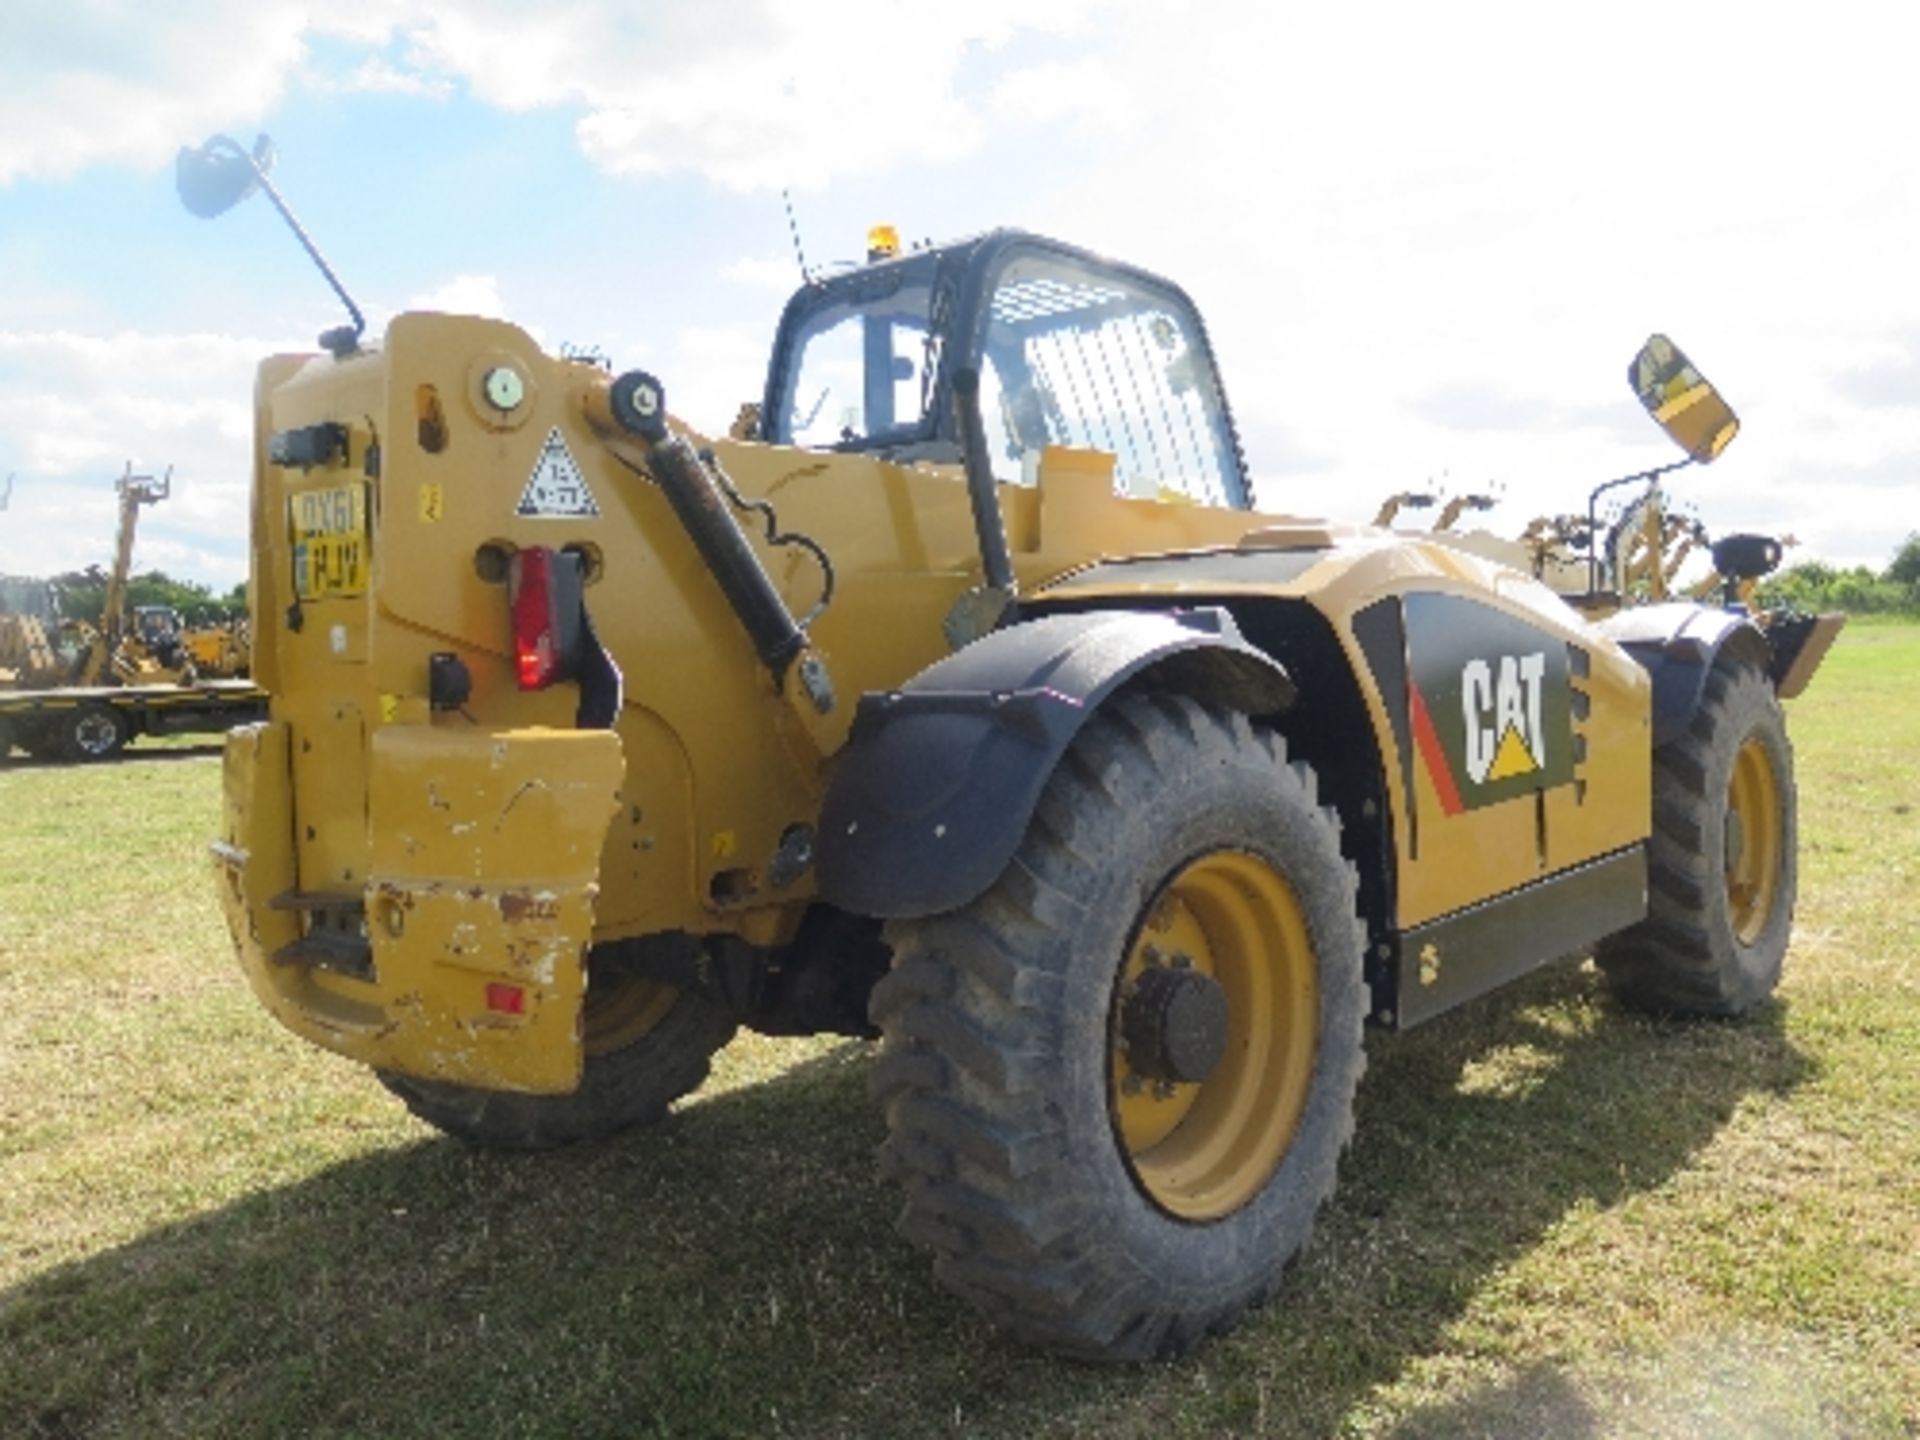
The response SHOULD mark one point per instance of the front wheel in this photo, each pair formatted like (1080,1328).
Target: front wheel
(646,1046)
(1722,865)
(1118,1084)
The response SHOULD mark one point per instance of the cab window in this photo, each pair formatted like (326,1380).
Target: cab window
(1071,355)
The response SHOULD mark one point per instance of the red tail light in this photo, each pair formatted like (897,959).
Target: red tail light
(543,590)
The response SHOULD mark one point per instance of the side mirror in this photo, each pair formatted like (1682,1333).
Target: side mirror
(1746,557)
(218,175)
(1681,400)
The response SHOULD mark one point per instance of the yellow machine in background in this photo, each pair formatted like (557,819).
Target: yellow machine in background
(959,695)
(74,690)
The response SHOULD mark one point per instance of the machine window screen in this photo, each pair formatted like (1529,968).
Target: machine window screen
(1097,361)
(864,372)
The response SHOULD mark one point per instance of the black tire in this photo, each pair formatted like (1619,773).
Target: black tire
(1715,933)
(6,740)
(629,1084)
(92,731)
(1000,1021)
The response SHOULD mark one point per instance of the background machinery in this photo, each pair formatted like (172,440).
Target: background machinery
(71,689)
(960,696)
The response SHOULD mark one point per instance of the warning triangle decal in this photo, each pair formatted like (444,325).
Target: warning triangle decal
(556,488)
(1513,758)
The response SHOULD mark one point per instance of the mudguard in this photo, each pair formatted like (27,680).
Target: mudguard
(940,777)
(1676,644)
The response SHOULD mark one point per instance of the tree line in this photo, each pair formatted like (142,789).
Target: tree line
(1861,590)
(83,594)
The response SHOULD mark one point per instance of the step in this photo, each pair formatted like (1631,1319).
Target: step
(329,950)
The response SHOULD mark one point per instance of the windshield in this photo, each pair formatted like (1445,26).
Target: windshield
(1085,356)
(864,371)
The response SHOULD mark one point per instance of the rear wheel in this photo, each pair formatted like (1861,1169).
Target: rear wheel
(646,1045)
(1722,864)
(1118,1084)
(93,731)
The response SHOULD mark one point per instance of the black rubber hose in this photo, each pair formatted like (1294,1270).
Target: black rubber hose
(703,512)
(639,404)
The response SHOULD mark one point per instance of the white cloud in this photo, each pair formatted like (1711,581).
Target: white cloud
(779,275)
(753,94)
(86,84)
(378,76)
(778,95)
(78,409)
(1429,238)
(464,295)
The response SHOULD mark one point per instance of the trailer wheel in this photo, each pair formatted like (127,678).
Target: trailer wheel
(92,731)
(1117,1085)
(1722,862)
(646,1046)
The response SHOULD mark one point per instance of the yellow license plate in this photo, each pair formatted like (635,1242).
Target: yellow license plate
(329,531)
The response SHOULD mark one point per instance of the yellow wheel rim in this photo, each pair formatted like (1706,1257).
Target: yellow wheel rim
(1754,841)
(619,1012)
(1202,1150)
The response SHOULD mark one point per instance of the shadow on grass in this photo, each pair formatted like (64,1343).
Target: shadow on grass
(735,1271)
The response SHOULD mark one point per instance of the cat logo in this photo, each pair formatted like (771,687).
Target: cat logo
(1501,708)
(1488,702)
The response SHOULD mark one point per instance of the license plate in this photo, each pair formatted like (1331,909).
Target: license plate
(329,531)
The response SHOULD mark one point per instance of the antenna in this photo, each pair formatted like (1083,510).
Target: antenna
(793,227)
(6,495)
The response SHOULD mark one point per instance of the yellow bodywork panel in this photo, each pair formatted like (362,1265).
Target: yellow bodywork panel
(1448,858)
(474,980)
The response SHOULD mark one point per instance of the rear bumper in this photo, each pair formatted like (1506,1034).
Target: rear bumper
(477,910)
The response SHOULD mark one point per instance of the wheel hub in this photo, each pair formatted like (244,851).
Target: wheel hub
(1174,1025)
(94,734)
(1214,1030)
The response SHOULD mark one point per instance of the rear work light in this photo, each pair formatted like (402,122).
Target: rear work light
(543,591)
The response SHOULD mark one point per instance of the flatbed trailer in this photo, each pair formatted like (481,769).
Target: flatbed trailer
(95,722)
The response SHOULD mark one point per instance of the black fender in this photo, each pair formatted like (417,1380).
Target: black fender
(938,779)
(1676,644)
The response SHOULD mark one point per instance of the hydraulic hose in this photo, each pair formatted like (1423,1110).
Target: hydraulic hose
(638,404)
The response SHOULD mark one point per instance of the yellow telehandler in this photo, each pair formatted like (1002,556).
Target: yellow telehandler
(959,696)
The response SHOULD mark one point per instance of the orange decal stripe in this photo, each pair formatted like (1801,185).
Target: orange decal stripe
(1428,740)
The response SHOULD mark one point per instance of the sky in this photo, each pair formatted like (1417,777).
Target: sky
(1427,238)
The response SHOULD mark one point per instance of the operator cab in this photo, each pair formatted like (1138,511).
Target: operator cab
(1070,349)
(158,626)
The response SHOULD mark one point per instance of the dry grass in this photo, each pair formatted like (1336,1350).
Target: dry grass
(1558,1218)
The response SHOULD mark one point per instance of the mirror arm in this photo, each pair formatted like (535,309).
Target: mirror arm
(1593,512)
(331,340)
(300,234)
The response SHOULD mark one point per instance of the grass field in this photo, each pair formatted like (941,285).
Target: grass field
(1558,1219)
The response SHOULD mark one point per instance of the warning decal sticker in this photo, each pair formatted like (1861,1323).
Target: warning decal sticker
(556,489)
